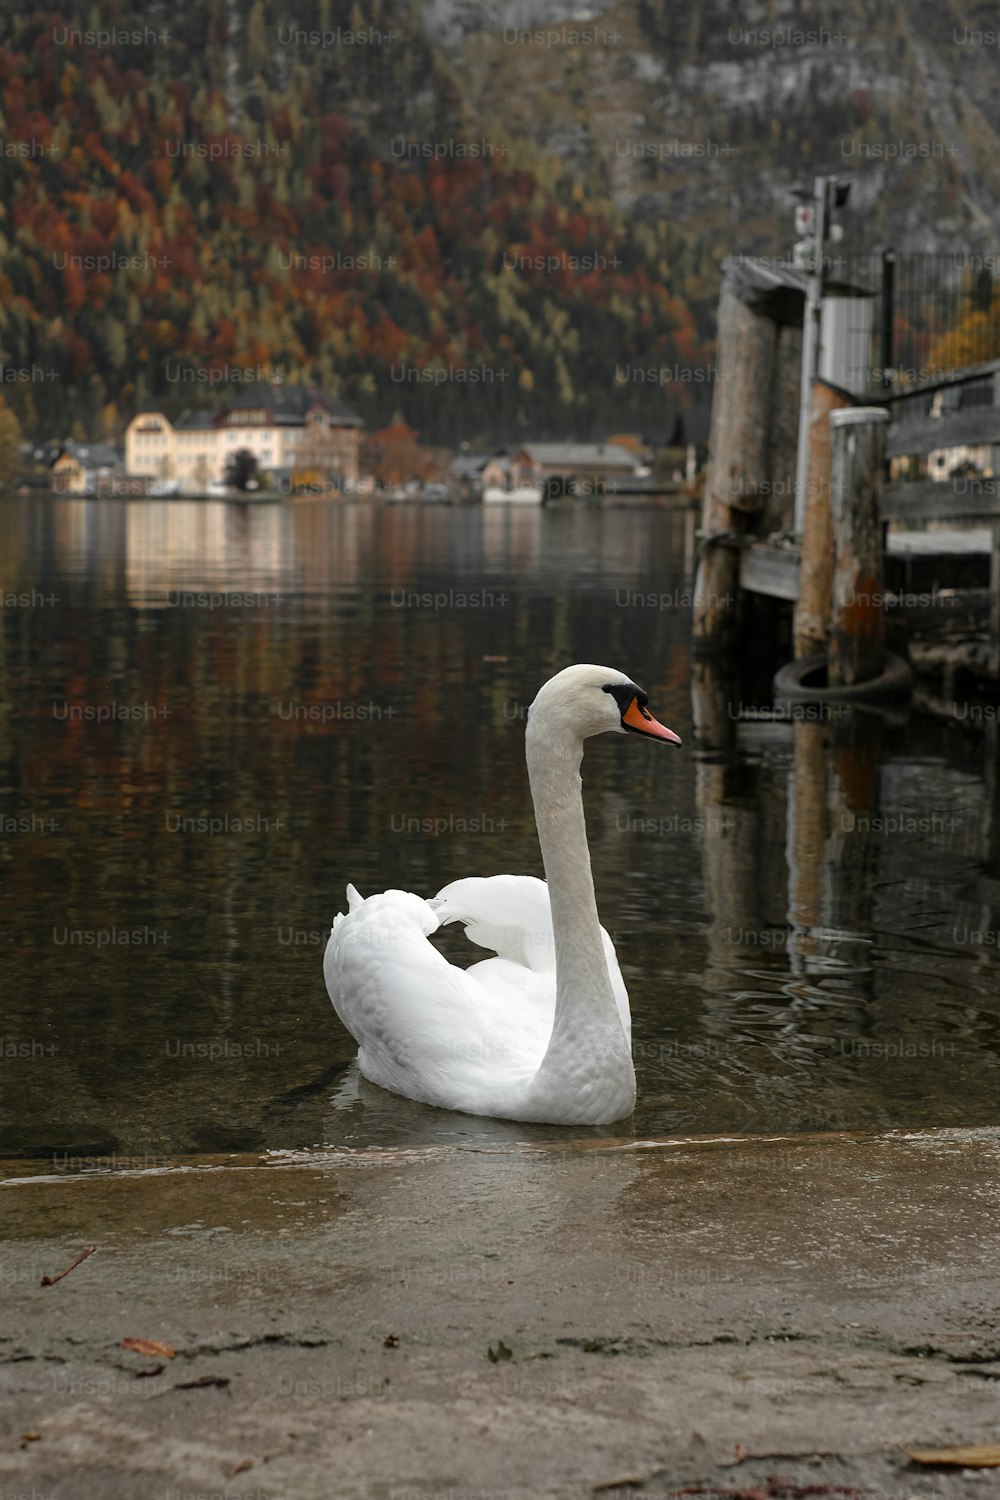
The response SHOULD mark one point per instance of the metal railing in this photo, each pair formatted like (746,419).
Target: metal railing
(932,314)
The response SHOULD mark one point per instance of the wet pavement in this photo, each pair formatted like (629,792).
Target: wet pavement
(612,1317)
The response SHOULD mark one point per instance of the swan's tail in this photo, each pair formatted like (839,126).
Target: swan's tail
(354,900)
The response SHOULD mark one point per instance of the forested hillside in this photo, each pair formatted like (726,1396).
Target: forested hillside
(427,218)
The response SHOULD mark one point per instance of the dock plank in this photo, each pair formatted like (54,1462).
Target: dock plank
(930,500)
(977,424)
(773,571)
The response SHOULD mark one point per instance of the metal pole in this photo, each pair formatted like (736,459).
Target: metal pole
(810,350)
(888,314)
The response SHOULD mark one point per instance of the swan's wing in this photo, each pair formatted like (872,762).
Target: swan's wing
(511,914)
(508,913)
(425,1028)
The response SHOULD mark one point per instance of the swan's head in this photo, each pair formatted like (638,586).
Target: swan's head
(584,700)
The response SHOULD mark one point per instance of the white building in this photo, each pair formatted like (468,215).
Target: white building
(296,433)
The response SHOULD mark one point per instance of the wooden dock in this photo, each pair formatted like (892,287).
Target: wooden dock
(922,519)
(901,485)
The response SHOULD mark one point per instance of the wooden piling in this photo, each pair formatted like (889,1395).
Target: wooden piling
(756,353)
(812,609)
(713,693)
(857,622)
(777,513)
(737,892)
(832,814)
(806,836)
(850,859)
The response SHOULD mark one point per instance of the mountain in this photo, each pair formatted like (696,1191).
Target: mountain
(710,112)
(487,220)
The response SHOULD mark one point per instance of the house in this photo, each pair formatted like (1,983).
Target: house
(472,473)
(84,468)
(298,435)
(573,468)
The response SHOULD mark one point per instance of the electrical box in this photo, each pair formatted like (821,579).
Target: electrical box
(845,353)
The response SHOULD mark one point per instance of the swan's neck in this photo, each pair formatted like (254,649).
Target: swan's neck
(587,1025)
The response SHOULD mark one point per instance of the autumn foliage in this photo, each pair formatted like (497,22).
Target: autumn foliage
(218,201)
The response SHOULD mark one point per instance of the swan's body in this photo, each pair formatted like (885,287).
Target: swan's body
(541,1031)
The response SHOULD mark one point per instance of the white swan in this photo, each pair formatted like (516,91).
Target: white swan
(541,1032)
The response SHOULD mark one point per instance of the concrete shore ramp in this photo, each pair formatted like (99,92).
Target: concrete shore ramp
(614,1317)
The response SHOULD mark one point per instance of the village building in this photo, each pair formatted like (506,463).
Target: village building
(473,473)
(84,468)
(298,435)
(572,467)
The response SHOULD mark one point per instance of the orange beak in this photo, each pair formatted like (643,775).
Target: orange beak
(641,721)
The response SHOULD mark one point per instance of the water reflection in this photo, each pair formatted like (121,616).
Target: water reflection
(215,715)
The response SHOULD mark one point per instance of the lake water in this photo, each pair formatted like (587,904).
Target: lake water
(214,715)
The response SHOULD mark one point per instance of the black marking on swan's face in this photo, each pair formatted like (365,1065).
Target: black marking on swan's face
(624,692)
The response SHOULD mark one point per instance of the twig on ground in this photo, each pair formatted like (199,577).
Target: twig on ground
(51,1280)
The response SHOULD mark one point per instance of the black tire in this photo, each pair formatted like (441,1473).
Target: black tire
(805,682)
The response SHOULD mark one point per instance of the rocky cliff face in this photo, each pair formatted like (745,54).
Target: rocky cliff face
(710,112)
